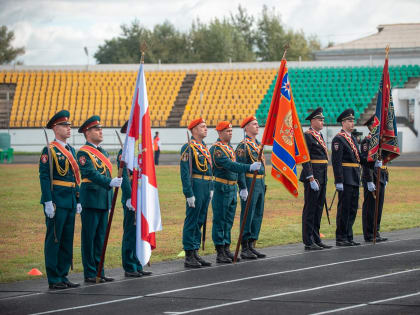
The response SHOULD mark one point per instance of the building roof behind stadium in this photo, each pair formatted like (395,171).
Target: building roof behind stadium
(395,35)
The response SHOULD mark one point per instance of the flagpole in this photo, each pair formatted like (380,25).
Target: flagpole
(108,228)
(378,172)
(251,189)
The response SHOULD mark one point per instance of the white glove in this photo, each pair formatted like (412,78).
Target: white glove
(314,185)
(211,194)
(386,183)
(378,163)
(129,205)
(339,186)
(116,182)
(49,209)
(78,208)
(191,202)
(255,166)
(243,193)
(371,186)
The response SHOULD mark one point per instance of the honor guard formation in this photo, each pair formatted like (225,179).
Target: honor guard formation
(82,184)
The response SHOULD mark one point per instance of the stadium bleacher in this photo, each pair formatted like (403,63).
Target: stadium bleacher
(39,94)
(216,94)
(336,88)
(226,95)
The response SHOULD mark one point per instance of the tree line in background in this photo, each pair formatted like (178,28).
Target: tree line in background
(238,38)
(7,52)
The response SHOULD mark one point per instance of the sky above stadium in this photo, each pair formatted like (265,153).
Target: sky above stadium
(54,32)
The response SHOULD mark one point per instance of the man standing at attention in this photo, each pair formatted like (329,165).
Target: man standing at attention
(61,201)
(95,195)
(314,177)
(224,202)
(369,181)
(346,166)
(247,152)
(197,186)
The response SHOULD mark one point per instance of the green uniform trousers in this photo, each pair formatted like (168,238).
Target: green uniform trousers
(224,207)
(58,255)
(94,222)
(255,212)
(195,217)
(130,261)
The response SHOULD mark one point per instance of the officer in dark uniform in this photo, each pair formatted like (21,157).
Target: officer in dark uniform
(247,153)
(224,202)
(131,265)
(60,200)
(197,186)
(369,189)
(346,166)
(314,177)
(95,195)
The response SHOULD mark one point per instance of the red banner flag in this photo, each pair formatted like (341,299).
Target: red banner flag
(384,133)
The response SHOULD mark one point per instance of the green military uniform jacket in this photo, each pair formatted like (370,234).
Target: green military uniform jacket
(61,196)
(200,166)
(225,166)
(247,153)
(95,191)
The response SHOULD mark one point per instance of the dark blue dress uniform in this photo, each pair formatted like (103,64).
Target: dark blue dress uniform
(314,200)
(368,208)
(247,153)
(58,246)
(346,166)
(96,198)
(199,184)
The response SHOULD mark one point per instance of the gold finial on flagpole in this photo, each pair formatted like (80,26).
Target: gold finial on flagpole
(143,48)
(387,51)
(286,47)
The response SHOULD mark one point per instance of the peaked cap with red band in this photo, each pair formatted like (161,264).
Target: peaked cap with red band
(60,118)
(94,121)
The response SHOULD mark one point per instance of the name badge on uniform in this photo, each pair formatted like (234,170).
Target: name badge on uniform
(336,146)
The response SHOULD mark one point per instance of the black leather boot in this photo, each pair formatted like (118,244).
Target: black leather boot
(229,254)
(201,260)
(245,252)
(253,250)
(190,260)
(221,256)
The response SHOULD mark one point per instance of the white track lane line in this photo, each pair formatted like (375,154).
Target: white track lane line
(292,292)
(237,280)
(206,269)
(366,304)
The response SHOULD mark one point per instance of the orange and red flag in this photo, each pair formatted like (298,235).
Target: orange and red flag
(284,132)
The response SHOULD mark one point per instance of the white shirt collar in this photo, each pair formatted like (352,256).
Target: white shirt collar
(61,142)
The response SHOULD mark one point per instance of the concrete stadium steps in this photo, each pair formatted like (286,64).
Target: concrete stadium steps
(181,101)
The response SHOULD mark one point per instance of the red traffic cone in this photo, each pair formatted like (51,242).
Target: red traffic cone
(35,272)
(321,235)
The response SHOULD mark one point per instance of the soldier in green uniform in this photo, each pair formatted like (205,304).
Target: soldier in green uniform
(197,186)
(224,202)
(131,265)
(61,201)
(247,152)
(95,195)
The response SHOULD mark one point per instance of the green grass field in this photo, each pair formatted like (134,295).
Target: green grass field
(22,222)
